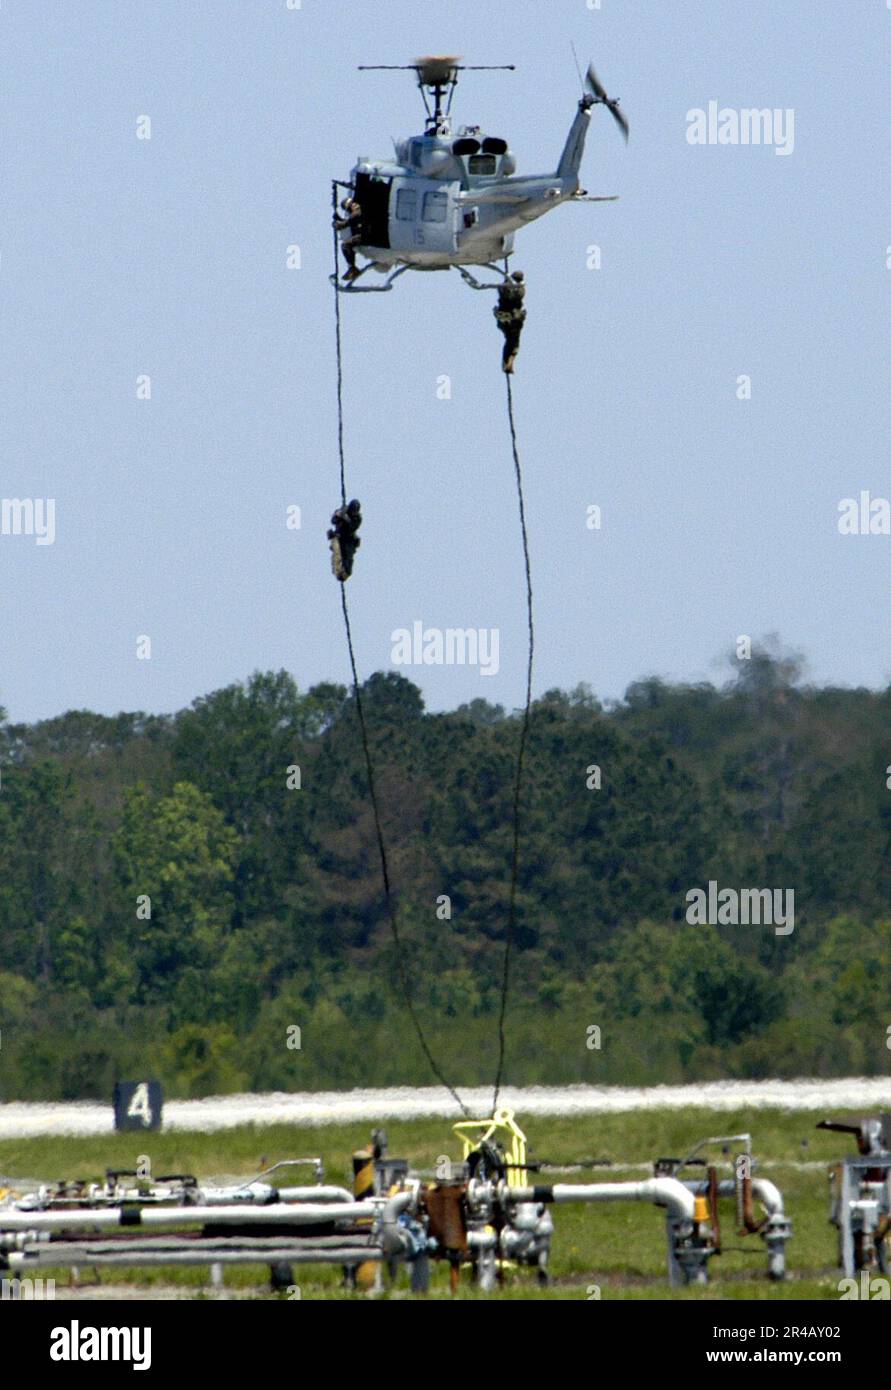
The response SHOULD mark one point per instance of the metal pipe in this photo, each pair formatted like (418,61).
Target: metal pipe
(257,1244)
(280,1214)
(663,1192)
(393,1237)
(315,1194)
(263,1194)
(285,1254)
(296,1214)
(767,1193)
(103,1220)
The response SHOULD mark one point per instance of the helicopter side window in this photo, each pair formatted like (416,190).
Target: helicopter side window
(482,164)
(407,204)
(435,207)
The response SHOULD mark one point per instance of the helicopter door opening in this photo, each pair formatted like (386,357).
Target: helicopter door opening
(373,196)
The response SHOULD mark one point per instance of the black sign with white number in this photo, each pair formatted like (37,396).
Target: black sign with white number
(137,1105)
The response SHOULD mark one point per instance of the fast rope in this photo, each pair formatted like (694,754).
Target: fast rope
(363,727)
(343,496)
(521,753)
(521,749)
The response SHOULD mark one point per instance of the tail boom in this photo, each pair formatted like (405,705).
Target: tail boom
(571,158)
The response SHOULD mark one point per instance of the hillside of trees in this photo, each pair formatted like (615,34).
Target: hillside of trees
(181,893)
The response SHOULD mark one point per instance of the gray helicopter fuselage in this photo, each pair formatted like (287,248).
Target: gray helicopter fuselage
(449,200)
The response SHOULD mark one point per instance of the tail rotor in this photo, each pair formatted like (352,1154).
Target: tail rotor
(596,95)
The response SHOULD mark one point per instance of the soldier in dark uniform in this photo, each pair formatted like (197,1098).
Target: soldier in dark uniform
(352,222)
(344,541)
(511,316)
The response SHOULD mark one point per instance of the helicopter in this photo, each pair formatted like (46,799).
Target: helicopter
(453,200)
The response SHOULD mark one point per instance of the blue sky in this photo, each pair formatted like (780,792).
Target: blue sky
(168,257)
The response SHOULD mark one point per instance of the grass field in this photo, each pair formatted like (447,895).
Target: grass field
(620,1249)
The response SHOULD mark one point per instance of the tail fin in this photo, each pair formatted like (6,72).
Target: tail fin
(571,158)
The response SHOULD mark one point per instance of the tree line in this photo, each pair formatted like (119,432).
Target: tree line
(182,896)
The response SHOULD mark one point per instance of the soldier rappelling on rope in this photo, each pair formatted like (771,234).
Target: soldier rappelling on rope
(351,222)
(510,317)
(344,539)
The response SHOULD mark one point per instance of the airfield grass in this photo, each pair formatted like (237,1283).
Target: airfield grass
(617,1250)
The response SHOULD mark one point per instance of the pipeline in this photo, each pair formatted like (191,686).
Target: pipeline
(96,1254)
(662,1192)
(766,1192)
(775,1229)
(279,1214)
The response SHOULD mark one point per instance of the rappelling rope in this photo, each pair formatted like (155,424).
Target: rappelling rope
(343,496)
(366,746)
(521,754)
(385,871)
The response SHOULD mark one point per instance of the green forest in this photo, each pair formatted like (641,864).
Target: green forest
(197,897)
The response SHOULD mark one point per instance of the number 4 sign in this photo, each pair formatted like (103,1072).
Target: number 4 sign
(137,1105)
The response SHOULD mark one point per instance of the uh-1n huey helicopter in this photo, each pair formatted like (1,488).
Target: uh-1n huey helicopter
(454,200)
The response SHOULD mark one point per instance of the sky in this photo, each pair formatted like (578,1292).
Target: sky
(123,258)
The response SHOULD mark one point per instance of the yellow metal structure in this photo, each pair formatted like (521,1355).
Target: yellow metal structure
(700,1209)
(503,1127)
(363,1186)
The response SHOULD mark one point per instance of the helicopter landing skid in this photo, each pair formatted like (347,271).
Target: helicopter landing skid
(353,288)
(472,281)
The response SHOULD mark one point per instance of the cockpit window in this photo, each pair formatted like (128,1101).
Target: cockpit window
(407,204)
(482,164)
(435,207)
(492,145)
(466,147)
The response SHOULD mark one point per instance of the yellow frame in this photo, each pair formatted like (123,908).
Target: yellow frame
(472,1133)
